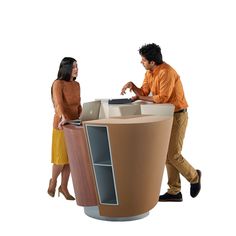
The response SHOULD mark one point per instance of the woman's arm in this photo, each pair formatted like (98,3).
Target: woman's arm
(57,96)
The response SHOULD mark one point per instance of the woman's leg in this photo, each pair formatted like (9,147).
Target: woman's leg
(65,177)
(56,170)
(64,182)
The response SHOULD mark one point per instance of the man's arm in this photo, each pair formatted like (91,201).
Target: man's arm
(132,87)
(138,92)
(145,98)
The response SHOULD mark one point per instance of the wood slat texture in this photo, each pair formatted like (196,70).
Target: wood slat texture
(80,165)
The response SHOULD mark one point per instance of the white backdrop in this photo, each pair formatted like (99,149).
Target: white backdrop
(196,38)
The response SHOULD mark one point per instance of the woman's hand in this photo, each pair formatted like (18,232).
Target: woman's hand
(62,122)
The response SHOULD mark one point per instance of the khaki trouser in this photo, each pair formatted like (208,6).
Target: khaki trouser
(175,162)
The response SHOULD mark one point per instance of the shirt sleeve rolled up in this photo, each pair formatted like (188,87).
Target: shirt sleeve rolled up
(166,83)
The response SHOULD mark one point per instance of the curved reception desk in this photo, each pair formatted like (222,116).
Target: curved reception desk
(117,164)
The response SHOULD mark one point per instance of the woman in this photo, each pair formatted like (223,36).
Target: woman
(66,101)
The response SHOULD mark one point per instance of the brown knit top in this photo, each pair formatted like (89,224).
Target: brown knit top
(66,100)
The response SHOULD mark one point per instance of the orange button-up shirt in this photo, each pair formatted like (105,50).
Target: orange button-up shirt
(165,85)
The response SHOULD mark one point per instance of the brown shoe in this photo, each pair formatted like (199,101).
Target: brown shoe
(65,193)
(52,188)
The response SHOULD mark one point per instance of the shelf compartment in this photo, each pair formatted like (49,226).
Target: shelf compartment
(105,184)
(99,145)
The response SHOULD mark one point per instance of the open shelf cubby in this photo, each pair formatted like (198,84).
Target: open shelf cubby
(105,183)
(99,145)
(98,140)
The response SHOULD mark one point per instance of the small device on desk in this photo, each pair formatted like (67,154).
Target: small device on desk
(120,101)
(74,122)
(90,111)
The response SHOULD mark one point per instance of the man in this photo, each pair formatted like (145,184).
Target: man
(165,86)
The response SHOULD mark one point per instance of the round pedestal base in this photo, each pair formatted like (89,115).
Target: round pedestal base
(93,212)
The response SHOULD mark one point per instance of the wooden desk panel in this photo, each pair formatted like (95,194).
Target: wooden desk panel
(139,155)
(80,165)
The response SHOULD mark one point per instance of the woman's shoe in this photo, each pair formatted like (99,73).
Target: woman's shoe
(66,194)
(52,188)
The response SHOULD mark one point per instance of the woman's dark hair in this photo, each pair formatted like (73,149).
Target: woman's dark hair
(65,68)
(151,52)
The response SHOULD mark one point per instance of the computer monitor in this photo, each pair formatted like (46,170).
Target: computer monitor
(129,110)
(90,111)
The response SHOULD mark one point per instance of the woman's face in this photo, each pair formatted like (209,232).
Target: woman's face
(74,72)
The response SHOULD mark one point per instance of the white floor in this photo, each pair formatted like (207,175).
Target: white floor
(26,209)
(197,38)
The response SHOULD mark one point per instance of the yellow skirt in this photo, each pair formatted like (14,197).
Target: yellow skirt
(59,153)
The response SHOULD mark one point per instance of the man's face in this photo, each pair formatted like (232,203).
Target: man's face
(147,65)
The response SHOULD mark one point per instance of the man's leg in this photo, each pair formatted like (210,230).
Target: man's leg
(175,162)
(173,179)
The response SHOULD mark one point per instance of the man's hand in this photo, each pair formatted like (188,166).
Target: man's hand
(129,86)
(135,98)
